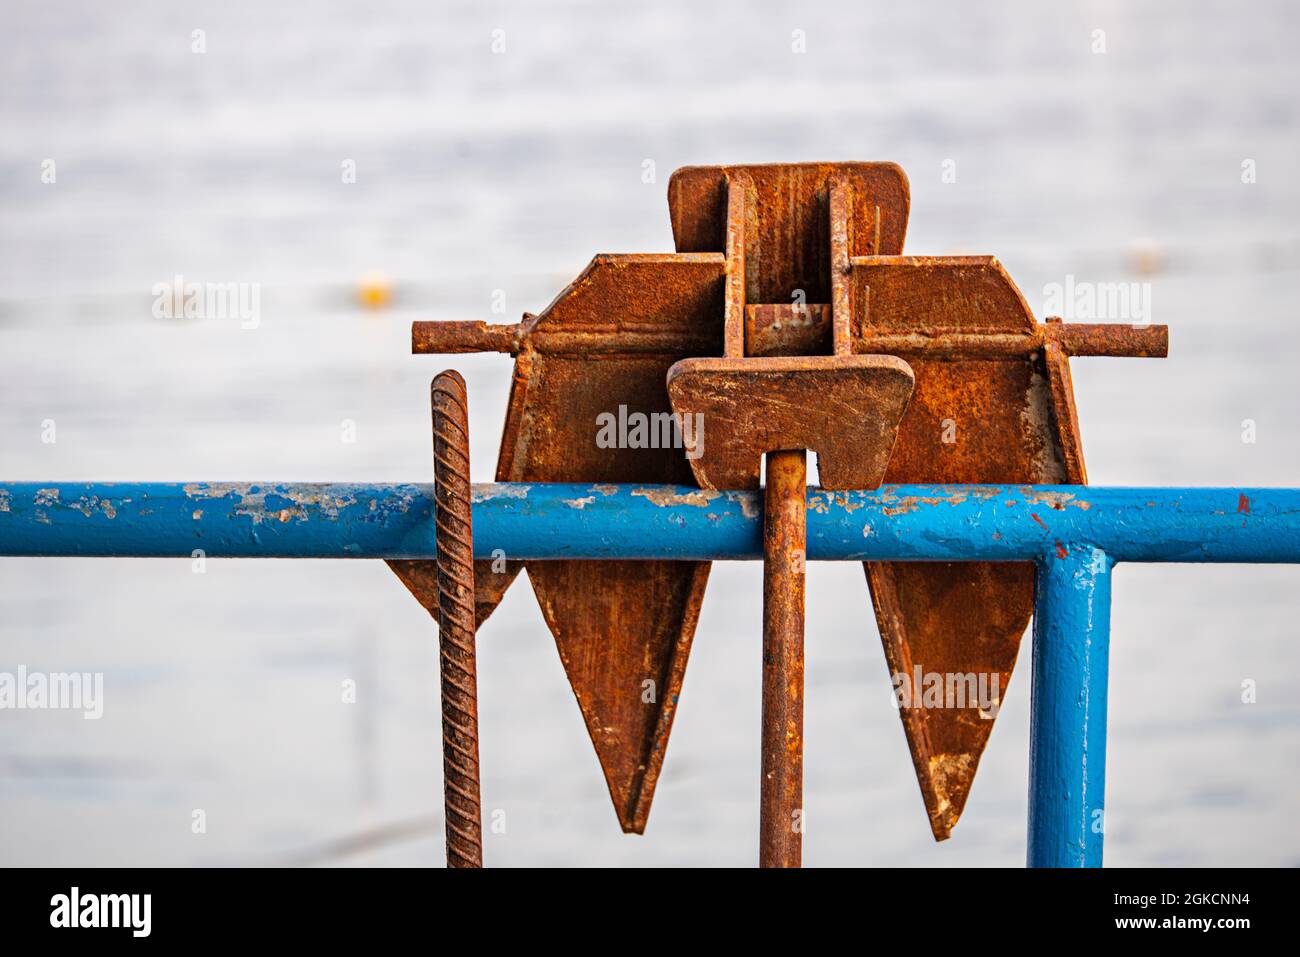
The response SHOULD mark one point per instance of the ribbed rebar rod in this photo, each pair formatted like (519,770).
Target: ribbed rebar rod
(456,621)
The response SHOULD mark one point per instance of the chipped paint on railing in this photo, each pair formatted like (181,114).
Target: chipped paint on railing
(563,521)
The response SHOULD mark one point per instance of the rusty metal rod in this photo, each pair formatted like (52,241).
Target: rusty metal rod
(1075,339)
(459,337)
(1108,339)
(785,534)
(451,337)
(456,621)
(784,329)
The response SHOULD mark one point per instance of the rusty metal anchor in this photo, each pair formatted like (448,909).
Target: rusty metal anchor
(790,319)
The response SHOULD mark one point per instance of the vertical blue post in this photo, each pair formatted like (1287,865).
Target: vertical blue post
(1067,747)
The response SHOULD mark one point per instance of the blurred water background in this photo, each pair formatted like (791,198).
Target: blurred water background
(479,171)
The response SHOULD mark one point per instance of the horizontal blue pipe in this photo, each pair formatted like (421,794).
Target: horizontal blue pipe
(538,521)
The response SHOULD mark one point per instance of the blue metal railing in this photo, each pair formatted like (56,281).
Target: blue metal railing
(1075,534)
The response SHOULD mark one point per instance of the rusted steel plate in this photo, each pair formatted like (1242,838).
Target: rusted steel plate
(787,250)
(935,295)
(623,629)
(650,293)
(971,420)
(777,329)
(845,408)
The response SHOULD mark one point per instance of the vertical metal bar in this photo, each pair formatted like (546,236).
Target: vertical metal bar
(785,534)
(740,213)
(1067,756)
(456,621)
(841,217)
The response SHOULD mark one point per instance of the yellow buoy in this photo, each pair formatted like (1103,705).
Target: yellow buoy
(375,290)
(1146,256)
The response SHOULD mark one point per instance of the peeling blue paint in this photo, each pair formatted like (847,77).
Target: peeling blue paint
(542,521)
